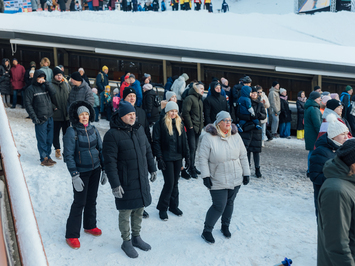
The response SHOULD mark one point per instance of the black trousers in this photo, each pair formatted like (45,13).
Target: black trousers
(57,126)
(222,205)
(256,156)
(192,138)
(84,200)
(169,196)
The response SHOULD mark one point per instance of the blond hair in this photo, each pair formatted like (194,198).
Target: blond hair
(169,124)
(45,59)
(222,134)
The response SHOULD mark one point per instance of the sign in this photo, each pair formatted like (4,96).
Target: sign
(313,5)
(15,6)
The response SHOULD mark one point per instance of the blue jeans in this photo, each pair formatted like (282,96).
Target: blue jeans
(97,111)
(263,130)
(275,123)
(309,156)
(90,5)
(285,129)
(14,100)
(44,136)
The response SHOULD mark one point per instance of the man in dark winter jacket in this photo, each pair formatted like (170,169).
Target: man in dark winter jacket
(150,105)
(214,103)
(60,116)
(128,159)
(102,79)
(345,99)
(80,91)
(235,94)
(39,106)
(192,114)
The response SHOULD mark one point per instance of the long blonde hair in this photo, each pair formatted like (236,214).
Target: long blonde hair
(169,124)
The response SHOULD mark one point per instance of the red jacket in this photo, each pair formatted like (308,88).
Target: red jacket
(17,77)
(123,86)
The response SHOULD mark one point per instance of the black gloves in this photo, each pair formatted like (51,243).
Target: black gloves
(161,164)
(245,180)
(207,182)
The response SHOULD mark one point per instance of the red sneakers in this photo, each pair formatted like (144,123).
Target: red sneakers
(73,243)
(95,232)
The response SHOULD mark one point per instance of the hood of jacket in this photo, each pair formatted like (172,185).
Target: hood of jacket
(116,122)
(211,129)
(213,85)
(3,63)
(245,91)
(192,91)
(324,141)
(311,103)
(73,112)
(336,168)
(36,75)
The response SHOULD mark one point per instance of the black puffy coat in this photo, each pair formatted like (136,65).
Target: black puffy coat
(141,118)
(170,148)
(213,104)
(128,158)
(285,115)
(251,136)
(300,113)
(39,99)
(5,77)
(149,106)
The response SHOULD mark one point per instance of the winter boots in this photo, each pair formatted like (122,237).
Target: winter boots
(185,174)
(46,162)
(208,237)
(95,232)
(57,154)
(163,215)
(193,173)
(73,243)
(145,215)
(225,231)
(128,248)
(257,172)
(139,243)
(176,211)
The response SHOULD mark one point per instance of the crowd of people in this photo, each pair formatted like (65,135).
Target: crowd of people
(148,133)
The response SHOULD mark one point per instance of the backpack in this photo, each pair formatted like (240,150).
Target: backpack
(186,91)
(102,80)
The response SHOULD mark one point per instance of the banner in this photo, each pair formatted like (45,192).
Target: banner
(16,6)
(313,5)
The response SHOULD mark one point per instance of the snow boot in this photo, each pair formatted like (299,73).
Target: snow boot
(163,215)
(95,231)
(185,174)
(225,231)
(257,172)
(176,211)
(208,237)
(129,249)
(139,243)
(51,161)
(193,173)
(145,215)
(197,171)
(57,154)
(45,162)
(73,242)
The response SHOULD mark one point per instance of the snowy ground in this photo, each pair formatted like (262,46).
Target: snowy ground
(273,217)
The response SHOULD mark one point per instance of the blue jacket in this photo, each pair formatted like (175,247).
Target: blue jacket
(101,81)
(137,87)
(168,85)
(97,100)
(244,100)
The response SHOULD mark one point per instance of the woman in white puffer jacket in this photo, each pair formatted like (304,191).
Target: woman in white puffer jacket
(224,167)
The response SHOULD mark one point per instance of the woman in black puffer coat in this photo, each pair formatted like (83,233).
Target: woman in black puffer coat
(301,100)
(252,137)
(5,81)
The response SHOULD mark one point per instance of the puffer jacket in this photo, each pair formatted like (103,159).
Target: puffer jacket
(84,153)
(192,111)
(265,101)
(128,159)
(336,216)
(17,77)
(5,77)
(312,123)
(274,99)
(179,86)
(213,104)
(223,159)
(149,106)
(81,93)
(61,97)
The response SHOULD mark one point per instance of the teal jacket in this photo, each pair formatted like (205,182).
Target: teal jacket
(312,123)
(336,216)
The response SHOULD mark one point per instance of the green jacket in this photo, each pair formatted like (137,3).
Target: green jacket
(61,97)
(336,216)
(312,123)
(192,111)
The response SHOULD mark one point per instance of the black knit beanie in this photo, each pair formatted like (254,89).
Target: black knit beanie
(76,76)
(346,153)
(127,91)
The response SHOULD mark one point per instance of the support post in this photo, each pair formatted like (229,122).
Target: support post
(198,71)
(165,76)
(55,55)
(320,80)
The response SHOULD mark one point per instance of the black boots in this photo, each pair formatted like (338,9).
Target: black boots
(145,215)
(163,215)
(208,237)
(257,172)
(225,231)
(185,174)
(193,173)
(176,211)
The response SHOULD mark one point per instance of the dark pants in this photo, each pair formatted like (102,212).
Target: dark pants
(256,157)
(208,6)
(108,109)
(44,136)
(192,138)
(97,111)
(57,126)
(222,205)
(169,196)
(316,189)
(86,200)
(14,99)
(198,6)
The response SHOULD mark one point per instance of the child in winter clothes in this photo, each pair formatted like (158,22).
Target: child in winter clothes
(96,104)
(116,99)
(106,102)
(245,107)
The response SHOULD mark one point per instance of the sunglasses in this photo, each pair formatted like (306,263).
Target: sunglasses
(227,120)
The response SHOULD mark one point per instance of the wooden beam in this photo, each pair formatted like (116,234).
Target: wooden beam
(55,55)
(199,71)
(320,80)
(165,76)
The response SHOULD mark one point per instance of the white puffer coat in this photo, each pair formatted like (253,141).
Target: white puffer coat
(223,159)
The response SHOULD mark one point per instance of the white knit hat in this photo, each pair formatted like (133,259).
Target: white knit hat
(169,94)
(171,106)
(335,127)
(282,90)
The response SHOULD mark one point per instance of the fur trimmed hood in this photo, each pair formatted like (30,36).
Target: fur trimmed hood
(210,128)
(73,115)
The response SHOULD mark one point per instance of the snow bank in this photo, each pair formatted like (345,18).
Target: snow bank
(28,236)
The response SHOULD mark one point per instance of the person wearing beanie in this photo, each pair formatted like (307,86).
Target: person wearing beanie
(266,135)
(214,103)
(179,87)
(96,104)
(137,87)
(86,166)
(323,103)
(192,115)
(126,145)
(28,80)
(285,117)
(106,102)
(60,115)
(275,107)
(80,91)
(336,218)
(102,79)
(169,95)
(124,85)
(325,147)
(312,122)
(345,99)
(224,168)
(301,100)
(151,104)
(45,64)
(235,94)
(17,73)
(115,99)
(83,75)
(317,89)
(169,147)
(246,109)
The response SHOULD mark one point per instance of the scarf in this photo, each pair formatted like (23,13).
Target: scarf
(304,99)
(284,97)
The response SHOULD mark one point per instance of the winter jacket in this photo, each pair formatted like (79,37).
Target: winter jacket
(244,100)
(96,100)
(300,114)
(128,159)
(83,150)
(27,79)
(285,114)
(336,216)
(141,118)
(351,115)
(345,99)
(235,94)
(169,148)
(168,85)
(48,72)
(312,123)
(137,87)
(212,105)
(266,105)
(192,111)
(82,92)
(224,159)
(149,106)
(124,85)
(17,77)
(39,100)
(61,99)
(274,99)
(179,86)
(5,78)
(84,77)
(251,136)
(101,79)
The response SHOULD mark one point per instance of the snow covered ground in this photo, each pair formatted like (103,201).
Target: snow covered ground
(273,216)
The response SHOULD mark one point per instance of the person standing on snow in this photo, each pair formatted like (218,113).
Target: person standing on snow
(102,79)
(17,73)
(222,172)
(5,81)
(84,163)
(128,159)
(214,103)
(225,7)
(45,63)
(345,99)
(178,87)
(275,107)
(301,100)
(80,91)
(285,117)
